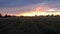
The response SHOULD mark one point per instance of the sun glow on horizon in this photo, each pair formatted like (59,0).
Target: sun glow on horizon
(32,13)
(39,11)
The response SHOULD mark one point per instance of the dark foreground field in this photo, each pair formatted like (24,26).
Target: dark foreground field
(30,25)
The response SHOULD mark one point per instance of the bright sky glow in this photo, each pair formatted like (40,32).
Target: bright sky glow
(29,7)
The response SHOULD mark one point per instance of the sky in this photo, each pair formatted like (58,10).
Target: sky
(29,7)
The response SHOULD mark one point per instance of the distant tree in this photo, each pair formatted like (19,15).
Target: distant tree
(35,15)
(57,15)
(47,15)
(21,16)
(7,15)
(0,15)
(13,16)
(52,15)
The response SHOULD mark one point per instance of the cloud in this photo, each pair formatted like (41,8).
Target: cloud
(21,6)
(12,3)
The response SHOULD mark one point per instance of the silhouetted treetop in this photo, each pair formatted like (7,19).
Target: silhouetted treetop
(52,15)
(0,15)
(7,15)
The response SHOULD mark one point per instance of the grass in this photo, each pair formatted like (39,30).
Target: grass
(30,25)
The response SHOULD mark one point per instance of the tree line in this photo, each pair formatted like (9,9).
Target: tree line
(52,15)
(6,15)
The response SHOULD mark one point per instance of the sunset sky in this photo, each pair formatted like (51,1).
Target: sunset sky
(29,7)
